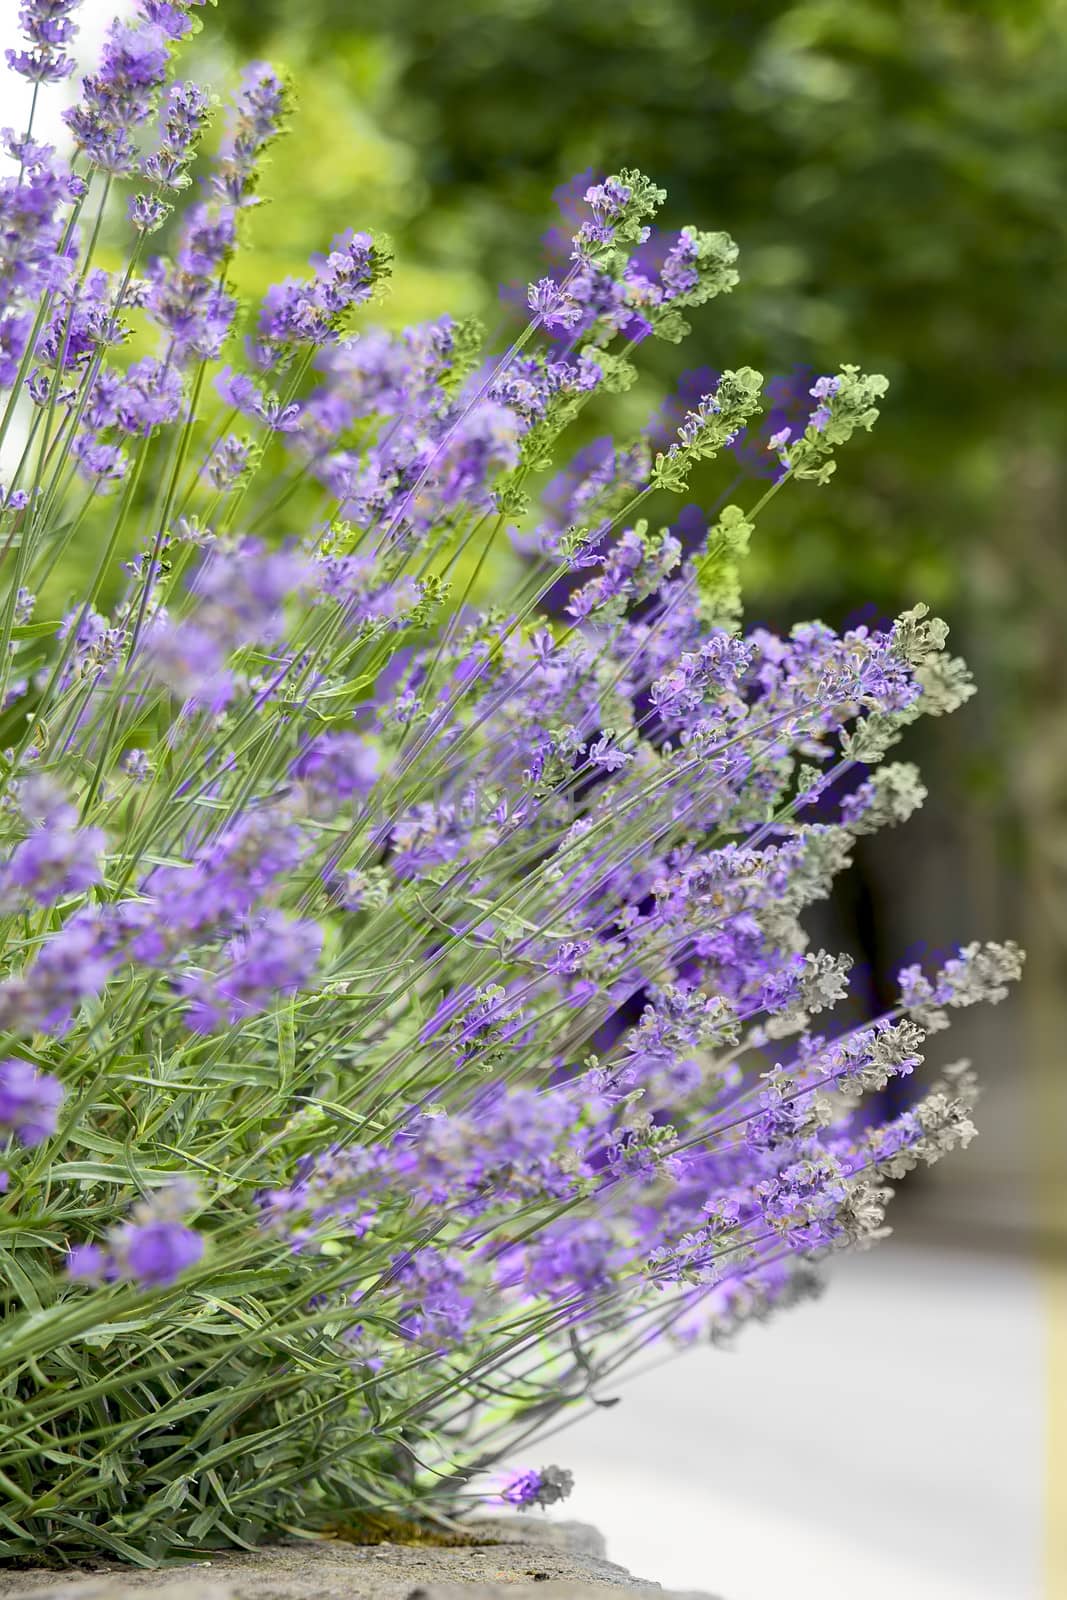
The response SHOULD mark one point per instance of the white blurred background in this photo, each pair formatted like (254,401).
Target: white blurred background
(886,1441)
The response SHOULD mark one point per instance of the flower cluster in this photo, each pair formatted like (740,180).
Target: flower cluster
(407,1008)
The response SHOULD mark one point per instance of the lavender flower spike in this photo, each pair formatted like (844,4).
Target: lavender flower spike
(48,27)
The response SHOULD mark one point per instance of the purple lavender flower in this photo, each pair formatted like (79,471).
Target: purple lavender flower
(679,275)
(56,859)
(621,207)
(147,213)
(241,593)
(231,873)
(186,298)
(823,390)
(207,240)
(182,122)
(486,441)
(100,463)
(172,16)
(238,390)
(153,1249)
(190,661)
(193,309)
(230,463)
(29,1101)
(275,957)
(73,965)
(48,27)
(552,305)
(439,1311)
(82,323)
(257,118)
(150,397)
(977,973)
(568,1257)
(336,768)
(13,499)
(156,1254)
(244,589)
(312,312)
(535,1486)
(121,95)
(87,1263)
(31,229)
(607,201)
(480,1024)
(137,765)
(14,333)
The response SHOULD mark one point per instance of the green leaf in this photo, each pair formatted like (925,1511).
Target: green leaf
(33,630)
(100,1172)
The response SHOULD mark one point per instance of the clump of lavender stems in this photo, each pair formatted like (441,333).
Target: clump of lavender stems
(407,1012)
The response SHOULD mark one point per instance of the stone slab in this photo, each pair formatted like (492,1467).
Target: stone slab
(546,1561)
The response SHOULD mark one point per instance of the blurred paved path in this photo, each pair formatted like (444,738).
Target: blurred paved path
(883,1442)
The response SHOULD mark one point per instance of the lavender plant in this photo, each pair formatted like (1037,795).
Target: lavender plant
(407,1012)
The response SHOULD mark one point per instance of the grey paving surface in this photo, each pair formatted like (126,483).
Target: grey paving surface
(884,1442)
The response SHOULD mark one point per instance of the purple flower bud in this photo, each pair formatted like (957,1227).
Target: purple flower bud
(57,858)
(229,463)
(548,301)
(87,1263)
(170,16)
(150,397)
(272,959)
(147,213)
(156,1254)
(336,768)
(312,312)
(31,226)
(29,1101)
(679,274)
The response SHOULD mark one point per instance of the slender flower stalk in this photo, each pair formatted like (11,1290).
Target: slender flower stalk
(408,1015)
